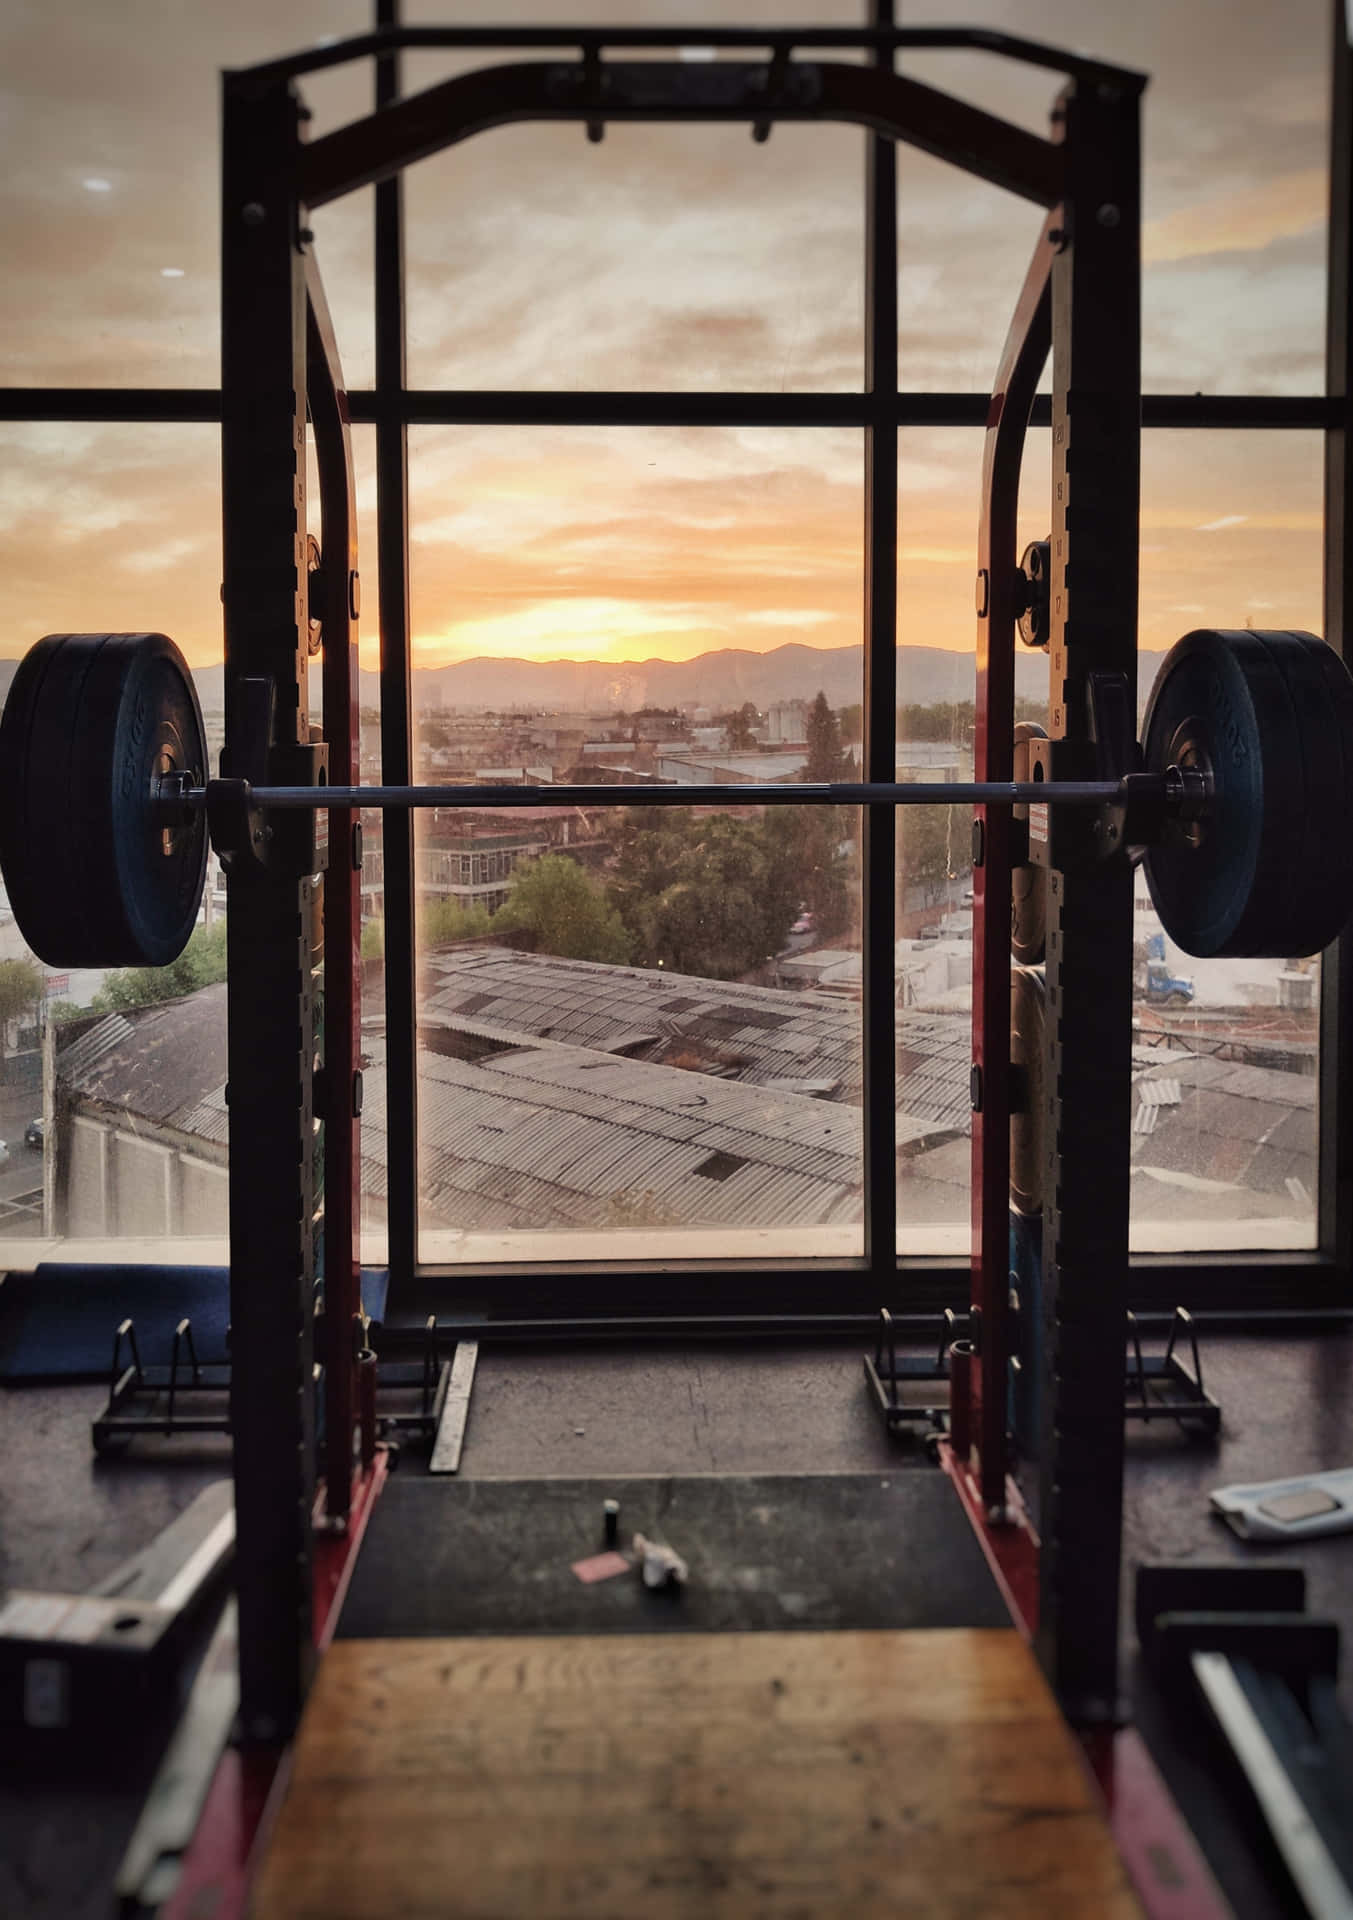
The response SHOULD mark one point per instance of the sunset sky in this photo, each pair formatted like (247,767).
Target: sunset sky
(664,257)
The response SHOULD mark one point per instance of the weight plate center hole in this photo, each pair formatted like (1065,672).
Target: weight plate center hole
(1188,751)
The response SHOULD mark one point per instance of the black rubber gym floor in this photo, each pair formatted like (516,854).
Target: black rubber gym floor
(765,1552)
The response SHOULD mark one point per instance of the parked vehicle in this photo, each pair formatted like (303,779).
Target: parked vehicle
(4,1153)
(33,1133)
(1164,989)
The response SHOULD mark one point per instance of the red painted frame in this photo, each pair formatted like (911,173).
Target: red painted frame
(249,1782)
(1023,358)
(1164,1862)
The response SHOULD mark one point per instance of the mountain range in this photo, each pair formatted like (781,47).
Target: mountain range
(719,681)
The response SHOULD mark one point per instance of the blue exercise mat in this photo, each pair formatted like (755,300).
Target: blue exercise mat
(59,1322)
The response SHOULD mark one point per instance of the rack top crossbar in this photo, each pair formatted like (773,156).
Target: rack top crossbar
(779,41)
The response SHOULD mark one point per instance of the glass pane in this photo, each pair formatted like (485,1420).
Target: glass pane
(1231,533)
(664,257)
(962,252)
(372,1227)
(639,1030)
(939,473)
(1234,183)
(1225,1051)
(1231,536)
(110,529)
(110,225)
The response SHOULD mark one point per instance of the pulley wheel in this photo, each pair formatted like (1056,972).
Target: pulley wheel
(1259,871)
(96,873)
(1028,884)
(1028,1036)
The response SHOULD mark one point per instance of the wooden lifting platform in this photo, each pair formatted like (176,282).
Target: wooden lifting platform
(924,1772)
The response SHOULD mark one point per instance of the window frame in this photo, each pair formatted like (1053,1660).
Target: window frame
(770,1295)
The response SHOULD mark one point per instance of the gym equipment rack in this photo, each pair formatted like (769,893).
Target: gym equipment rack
(1080,301)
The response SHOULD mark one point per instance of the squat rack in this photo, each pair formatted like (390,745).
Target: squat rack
(279,359)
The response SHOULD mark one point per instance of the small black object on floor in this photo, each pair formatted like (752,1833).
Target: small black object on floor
(765,1551)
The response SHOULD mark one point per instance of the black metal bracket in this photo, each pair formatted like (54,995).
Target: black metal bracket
(887,1372)
(145,1399)
(1161,1387)
(1157,1386)
(192,1396)
(425,1380)
(280,840)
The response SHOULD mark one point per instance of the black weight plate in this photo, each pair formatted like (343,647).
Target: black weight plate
(1318,778)
(1028,1043)
(105,881)
(1028,884)
(15,727)
(1223,887)
(35,774)
(1321,690)
(141,701)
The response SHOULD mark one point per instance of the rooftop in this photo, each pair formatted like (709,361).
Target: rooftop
(561,1093)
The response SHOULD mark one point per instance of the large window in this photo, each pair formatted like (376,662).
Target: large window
(638,1029)
(111,1097)
(1225,1054)
(648,1033)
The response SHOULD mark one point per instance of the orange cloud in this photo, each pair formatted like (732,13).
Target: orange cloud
(1242,222)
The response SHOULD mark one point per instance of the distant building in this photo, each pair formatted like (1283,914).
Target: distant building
(936,760)
(516,776)
(471,855)
(139,1122)
(787,723)
(829,969)
(722,769)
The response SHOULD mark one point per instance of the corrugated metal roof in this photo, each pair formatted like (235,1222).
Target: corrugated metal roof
(157,1061)
(75,1058)
(541,1130)
(754,1035)
(558,1135)
(1241,1130)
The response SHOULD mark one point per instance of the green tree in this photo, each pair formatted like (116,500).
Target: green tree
(851,721)
(201,964)
(649,848)
(817,862)
(22,986)
(559,903)
(826,759)
(739,729)
(705,895)
(442,923)
(945,720)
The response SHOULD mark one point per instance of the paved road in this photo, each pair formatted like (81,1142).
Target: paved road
(22,1172)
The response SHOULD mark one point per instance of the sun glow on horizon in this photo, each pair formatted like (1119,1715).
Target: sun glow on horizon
(658,260)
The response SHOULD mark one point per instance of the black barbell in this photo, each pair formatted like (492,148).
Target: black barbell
(1239,803)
